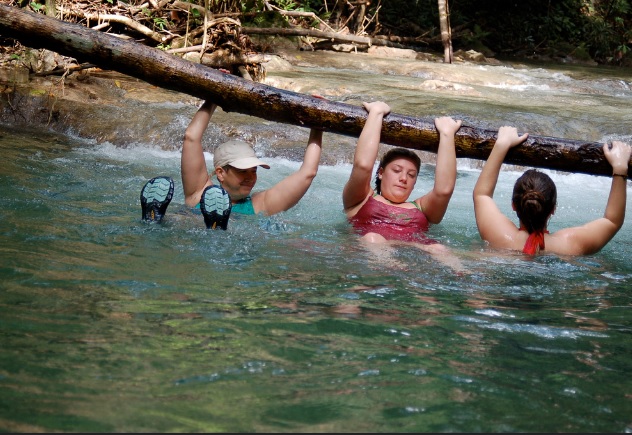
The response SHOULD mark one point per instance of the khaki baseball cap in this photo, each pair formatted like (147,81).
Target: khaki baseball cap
(237,154)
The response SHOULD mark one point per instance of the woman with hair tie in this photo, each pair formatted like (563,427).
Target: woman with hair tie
(534,200)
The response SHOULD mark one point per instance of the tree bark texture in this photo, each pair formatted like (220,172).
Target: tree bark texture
(235,94)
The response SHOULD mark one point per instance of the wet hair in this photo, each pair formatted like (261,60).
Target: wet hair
(534,197)
(394,154)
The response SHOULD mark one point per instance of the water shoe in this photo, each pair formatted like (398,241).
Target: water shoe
(215,206)
(155,198)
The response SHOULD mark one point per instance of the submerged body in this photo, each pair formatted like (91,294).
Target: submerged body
(392,222)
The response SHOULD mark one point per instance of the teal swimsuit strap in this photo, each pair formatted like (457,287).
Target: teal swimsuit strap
(244,206)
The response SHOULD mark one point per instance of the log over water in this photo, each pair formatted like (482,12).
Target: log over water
(256,99)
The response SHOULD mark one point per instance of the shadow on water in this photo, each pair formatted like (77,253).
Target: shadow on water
(286,324)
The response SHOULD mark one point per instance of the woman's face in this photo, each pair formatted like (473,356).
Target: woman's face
(238,183)
(398,180)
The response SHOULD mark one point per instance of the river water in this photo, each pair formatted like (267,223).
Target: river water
(285,324)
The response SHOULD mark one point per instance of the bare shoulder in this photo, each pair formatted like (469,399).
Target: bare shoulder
(565,242)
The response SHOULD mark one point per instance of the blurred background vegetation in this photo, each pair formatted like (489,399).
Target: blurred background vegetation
(584,30)
(600,30)
(597,29)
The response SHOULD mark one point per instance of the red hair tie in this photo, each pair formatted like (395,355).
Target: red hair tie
(535,242)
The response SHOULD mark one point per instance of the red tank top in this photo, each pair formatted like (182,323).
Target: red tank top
(391,222)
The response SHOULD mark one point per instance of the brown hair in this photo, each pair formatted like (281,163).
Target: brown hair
(394,154)
(534,197)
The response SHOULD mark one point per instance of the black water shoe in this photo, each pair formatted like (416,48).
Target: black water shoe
(155,198)
(215,206)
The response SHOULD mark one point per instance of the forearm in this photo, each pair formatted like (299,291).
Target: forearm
(193,165)
(289,191)
(488,178)
(199,122)
(615,207)
(618,155)
(313,152)
(369,141)
(192,146)
(445,170)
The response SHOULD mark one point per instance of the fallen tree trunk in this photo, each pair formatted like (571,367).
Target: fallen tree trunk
(236,94)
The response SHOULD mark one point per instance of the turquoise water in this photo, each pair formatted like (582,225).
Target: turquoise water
(284,324)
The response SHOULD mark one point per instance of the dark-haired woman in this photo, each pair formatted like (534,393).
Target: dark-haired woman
(385,214)
(534,199)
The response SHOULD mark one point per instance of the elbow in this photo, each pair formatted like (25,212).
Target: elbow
(616,219)
(364,167)
(310,177)
(309,174)
(475,194)
(444,186)
(189,136)
(617,224)
(444,192)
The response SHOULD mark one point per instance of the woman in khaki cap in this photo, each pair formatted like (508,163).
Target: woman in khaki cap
(236,166)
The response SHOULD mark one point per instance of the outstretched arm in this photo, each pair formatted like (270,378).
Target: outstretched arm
(193,168)
(593,236)
(288,192)
(494,226)
(435,203)
(358,186)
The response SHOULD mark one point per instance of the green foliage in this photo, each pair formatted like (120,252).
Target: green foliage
(598,29)
(297,5)
(36,6)
(595,27)
(161,23)
(286,5)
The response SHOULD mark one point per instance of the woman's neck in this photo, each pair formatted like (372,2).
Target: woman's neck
(523,228)
(389,201)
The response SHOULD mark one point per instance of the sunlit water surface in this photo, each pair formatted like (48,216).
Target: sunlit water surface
(285,324)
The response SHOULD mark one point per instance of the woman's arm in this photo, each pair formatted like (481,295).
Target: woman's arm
(435,203)
(493,225)
(358,187)
(593,236)
(288,192)
(193,168)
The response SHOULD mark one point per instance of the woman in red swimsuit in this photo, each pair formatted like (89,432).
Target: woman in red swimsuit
(385,215)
